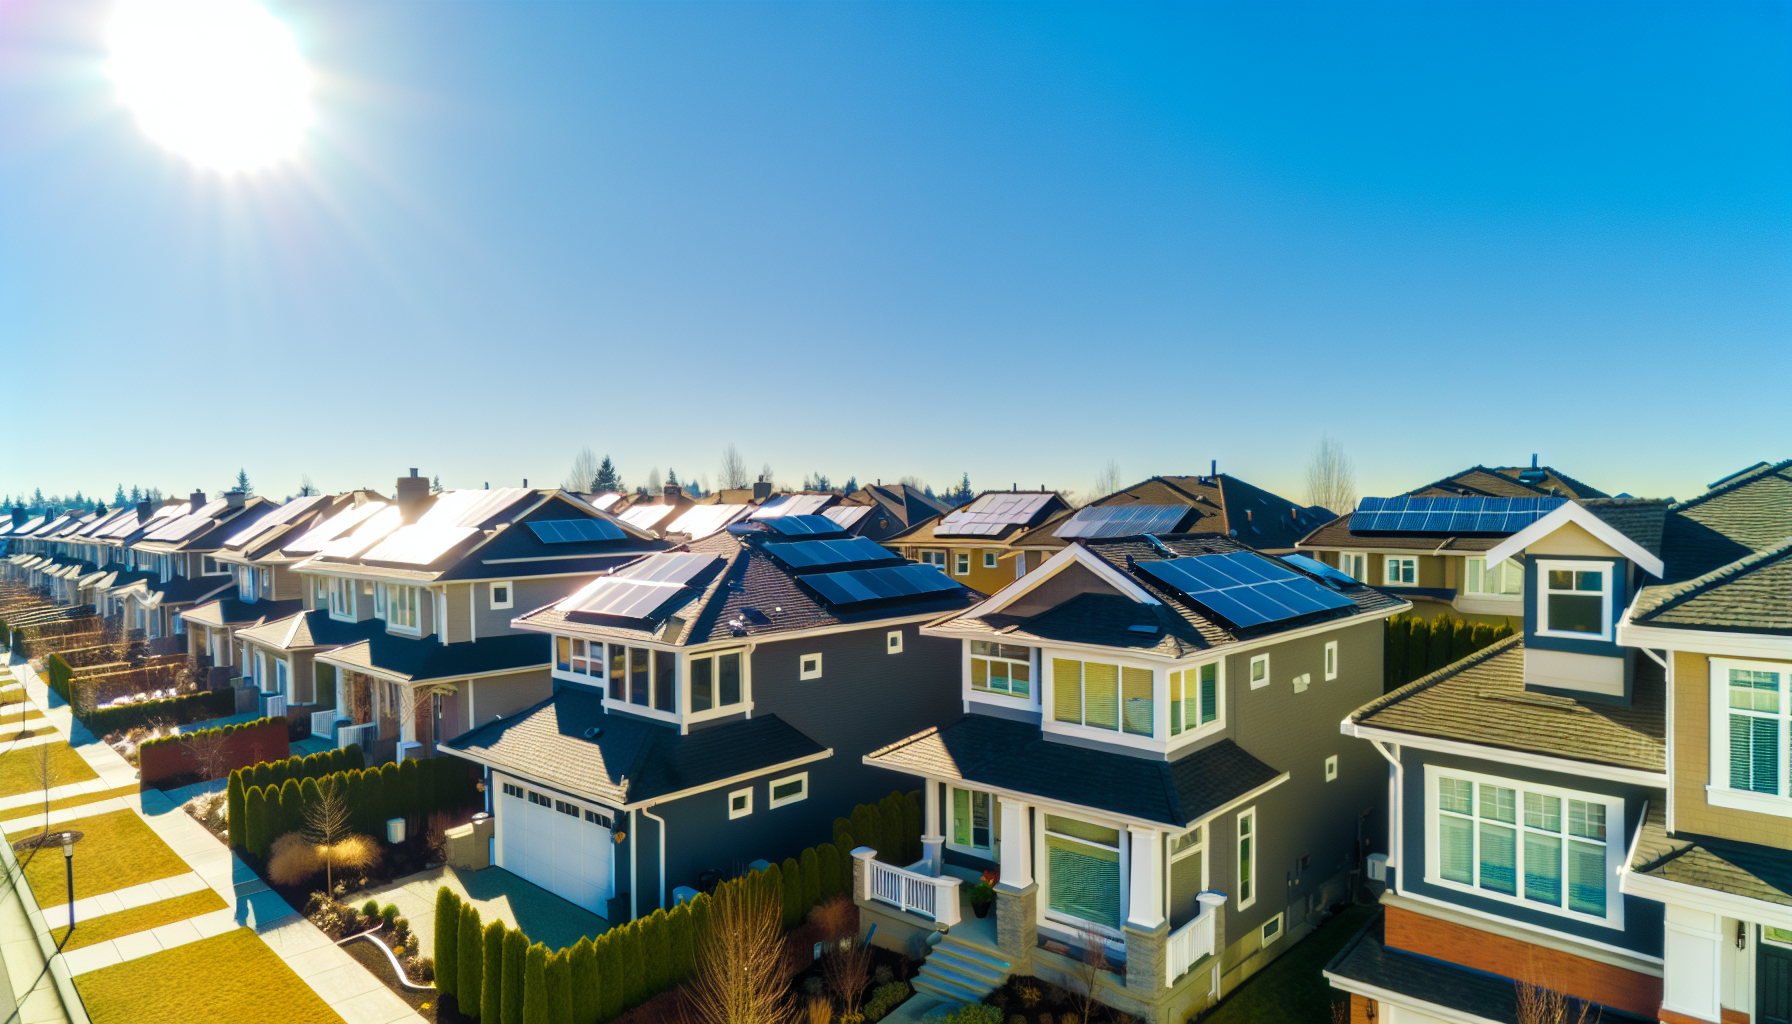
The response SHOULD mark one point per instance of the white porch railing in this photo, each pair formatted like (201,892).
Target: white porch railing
(323,723)
(362,734)
(912,891)
(1194,940)
(275,704)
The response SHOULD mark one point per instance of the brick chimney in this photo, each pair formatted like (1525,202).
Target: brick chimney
(198,499)
(762,489)
(412,494)
(19,515)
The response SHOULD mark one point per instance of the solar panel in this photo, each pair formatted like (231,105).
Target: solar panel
(1318,568)
(896,583)
(385,519)
(792,505)
(337,525)
(1122,520)
(832,554)
(846,515)
(638,589)
(991,514)
(575,531)
(419,543)
(666,568)
(804,526)
(702,520)
(279,516)
(1452,516)
(1244,588)
(643,517)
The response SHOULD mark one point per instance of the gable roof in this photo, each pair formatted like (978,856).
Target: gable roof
(1626,525)
(1508,482)
(1750,595)
(1221,504)
(1033,508)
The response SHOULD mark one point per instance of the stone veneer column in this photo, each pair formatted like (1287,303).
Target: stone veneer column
(1145,965)
(1017,921)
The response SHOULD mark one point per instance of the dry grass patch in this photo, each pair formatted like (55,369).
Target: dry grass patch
(20,769)
(233,978)
(118,850)
(141,919)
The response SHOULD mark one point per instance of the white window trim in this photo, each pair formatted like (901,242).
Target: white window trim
(1718,791)
(1616,848)
(1252,674)
(933,556)
(1264,927)
(893,642)
(771,788)
(509,594)
(1388,577)
(803,669)
(1606,571)
(989,559)
(1353,560)
(961,563)
(283,677)
(1239,902)
(1331,768)
(1008,697)
(1331,659)
(1219,703)
(1042,869)
(346,588)
(598,678)
(684,685)
(732,812)
(1160,701)
(392,590)
(1506,568)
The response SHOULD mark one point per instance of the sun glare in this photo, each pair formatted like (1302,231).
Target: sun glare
(218,81)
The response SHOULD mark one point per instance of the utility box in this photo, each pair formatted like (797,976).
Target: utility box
(410,748)
(1378,867)
(469,846)
(394,830)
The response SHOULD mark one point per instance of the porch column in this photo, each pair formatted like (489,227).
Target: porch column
(931,839)
(1146,902)
(1017,844)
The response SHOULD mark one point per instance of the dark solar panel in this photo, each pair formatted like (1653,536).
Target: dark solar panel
(1318,568)
(1449,516)
(896,583)
(1244,588)
(572,531)
(803,526)
(804,555)
(1122,520)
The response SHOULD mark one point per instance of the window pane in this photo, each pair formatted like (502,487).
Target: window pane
(1574,613)
(1499,859)
(1455,795)
(1589,580)
(980,820)
(1754,691)
(1014,653)
(1499,803)
(961,817)
(1067,690)
(1586,820)
(1586,878)
(665,675)
(637,676)
(702,678)
(1456,849)
(728,683)
(981,647)
(618,673)
(1101,695)
(1210,693)
(979,674)
(998,676)
(1175,703)
(562,653)
(1543,869)
(1020,679)
(1561,579)
(1082,830)
(1544,812)
(1139,700)
(1085,881)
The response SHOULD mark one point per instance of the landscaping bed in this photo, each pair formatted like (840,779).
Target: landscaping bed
(20,769)
(233,978)
(116,851)
(140,919)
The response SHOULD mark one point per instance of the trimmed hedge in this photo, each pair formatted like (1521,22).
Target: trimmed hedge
(1413,646)
(188,707)
(274,800)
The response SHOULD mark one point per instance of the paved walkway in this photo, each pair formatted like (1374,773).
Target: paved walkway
(348,988)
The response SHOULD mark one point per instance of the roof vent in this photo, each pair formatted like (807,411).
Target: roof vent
(1142,628)
(594,732)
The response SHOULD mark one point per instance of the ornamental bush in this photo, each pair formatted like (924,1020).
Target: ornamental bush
(470,972)
(581,964)
(516,950)
(236,809)
(447,934)
(491,1002)
(559,989)
(611,989)
(535,985)
(810,862)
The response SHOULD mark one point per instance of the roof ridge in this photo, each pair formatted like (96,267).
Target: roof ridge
(1726,486)
(932,730)
(1685,590)
(1431,679)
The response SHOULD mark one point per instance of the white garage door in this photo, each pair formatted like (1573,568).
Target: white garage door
(561,845)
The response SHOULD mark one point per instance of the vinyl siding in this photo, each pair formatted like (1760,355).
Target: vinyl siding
(1692,760)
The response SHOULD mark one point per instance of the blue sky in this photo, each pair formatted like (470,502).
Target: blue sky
(888,239)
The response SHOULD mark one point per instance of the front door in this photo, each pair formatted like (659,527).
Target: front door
(1773,974)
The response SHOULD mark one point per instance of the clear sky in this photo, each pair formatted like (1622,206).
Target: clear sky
(889,239)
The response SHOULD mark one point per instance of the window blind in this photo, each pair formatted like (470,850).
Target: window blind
(1085,881)
(1136,691)
(1456,849)
(1586,878)
(1101,695)
(1067,690)
(1543,869)
(1210,693)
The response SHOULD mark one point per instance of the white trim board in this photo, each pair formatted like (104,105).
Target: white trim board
(1577,514)
(1541,762)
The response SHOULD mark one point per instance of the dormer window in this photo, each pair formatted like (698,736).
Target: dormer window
(1102,696)
(1575,599)
(1194,698)
(342,599)
(1002,668)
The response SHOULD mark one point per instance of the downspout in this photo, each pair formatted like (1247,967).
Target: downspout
(662,824)
(1396,786)
(634,842)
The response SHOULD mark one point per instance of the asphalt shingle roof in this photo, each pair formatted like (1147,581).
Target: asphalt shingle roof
(1482,700)
(421,658)
(1750,595)
(1743,869)
(1017,757)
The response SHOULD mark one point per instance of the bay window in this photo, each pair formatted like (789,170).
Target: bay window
(633,677)
(1001,668)
(1749,734)
(715,681)
(1194,698)
(1083,871)
(1575,599)
(1504,579)
(1525,844)
(575,657)
(1102,696)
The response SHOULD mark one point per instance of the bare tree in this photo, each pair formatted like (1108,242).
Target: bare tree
(1108,480)
(734,469)
(765,472)
(306,487)
(209,750)
(1540,1005)
(328,827)
(584,470)
(1331,478)
(742,974)
(848,971)
(1091,964)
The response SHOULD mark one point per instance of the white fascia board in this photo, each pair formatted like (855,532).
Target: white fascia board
(820,755)
(1578,515)
(1051,567)
(1710,901)
(569,628)
(1402,1001)
(1700,641)
(1541,762)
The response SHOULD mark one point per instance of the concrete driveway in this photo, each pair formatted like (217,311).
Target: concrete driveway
(542,916)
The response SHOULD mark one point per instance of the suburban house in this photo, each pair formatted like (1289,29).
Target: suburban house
(711,707)
(1544,835)
(1215,504)
(972,544)
(180,549)
(1430,545)
(404,638)
(891,509)
(1147,746)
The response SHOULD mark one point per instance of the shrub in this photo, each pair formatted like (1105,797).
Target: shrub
(470,971)
(1443,632)
(188,707)
(581,964)
(388,914)
(885,998)
(559,986)
(516,950)
(684,953)
(535,985)
(236,795)
(828,858)
(292,860)
(868,830)
(491,1001)
(611,989)
(634,967)
(255,822)
(1462,640)
(843,837)
(810,862)
(890,817)
(1393,654)
(292,808)
(1418,641)
(974,1013)
(656,953)
(447,936)
(791,879)
(370,909)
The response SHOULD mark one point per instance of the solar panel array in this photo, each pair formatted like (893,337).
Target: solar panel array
(1318,568)
(280,516)
(643,517)
(330,529)
(991,514)
(792,505)
(1406,514)
(419,543)
(1122,520)
(1244,588)
(576,531)
(639,589)
(666,568)
(846,515)
(804,526)
(702,520)
(896,583)
(803,555)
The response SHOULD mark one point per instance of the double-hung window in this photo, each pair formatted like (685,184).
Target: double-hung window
(1102,696)
(1247,858)
(1354,565)
(342,598)
(961,563)
(1400,571)
(1194,698)
(1083,867)
(573,655)
(402,611)
(971,819)
(1530,845)
(1505,578)
(1750,728)
(1575,600)
(715,680)
(1001,668)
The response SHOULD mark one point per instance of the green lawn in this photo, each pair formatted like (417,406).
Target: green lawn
(141,919)
(75,801)
(1292,987)
(117,850)
(233,978)
(21,769)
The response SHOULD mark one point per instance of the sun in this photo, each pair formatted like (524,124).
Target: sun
(218,81)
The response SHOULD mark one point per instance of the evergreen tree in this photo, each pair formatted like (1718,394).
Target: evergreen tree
(671,476)
(610,987)
(410,793)
(435,484)
(1443,629)
(827,857)
(242,482)
(810,862)
(535,985)
(582,965)
(1418,644)
(516,950)
(866,828)
(852,484)
(682,958)
(118,496)
(447,937)
(491,995)
(607,478)
(255,821)
(634,968)
(292,808)
(656,953)
(559,984)
(889,812)
(236,807)
(37,499)
(470,972)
